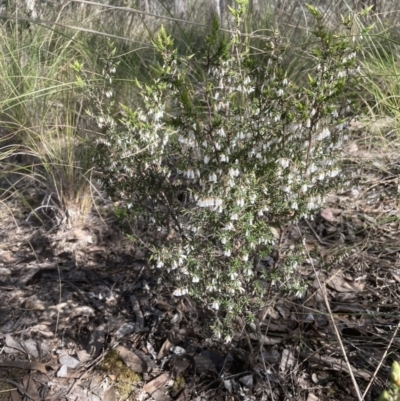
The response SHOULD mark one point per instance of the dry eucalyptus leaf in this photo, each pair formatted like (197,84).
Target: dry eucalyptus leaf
(203,363)
(30,386)
(28,347)
(247,381)
(340,284)
(110,394)
(176,335)
(178,350)
(33,303)
(63,371)
(265,339)
(125,329)
(41,367)
(69,361)
(339,365)
(23,280)
(138,312)
(82,311)
(160,396)
(180,364)
(83,356)
(271,355)
(156,383)
(15,396)
(164,350)
(287,361)
(327,214)
(134,363)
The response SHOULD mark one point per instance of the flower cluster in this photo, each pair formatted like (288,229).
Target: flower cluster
(221,152)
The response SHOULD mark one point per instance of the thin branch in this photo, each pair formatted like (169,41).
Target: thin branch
(323,290)
(381,361)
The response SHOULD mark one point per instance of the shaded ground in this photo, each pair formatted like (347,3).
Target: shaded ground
(68,298)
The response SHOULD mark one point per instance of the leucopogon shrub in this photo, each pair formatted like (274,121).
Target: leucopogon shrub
(221,153)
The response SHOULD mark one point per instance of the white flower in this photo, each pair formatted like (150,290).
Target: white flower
(233,172)
(284,162)
(325,133)
(158,115)
(312,168)
(195,279)
(212,177)
(217,202)
(180,292)
(229,226)
(279,92)
(189,173)
(159,264)
(240,202)
(215,305)
(333,173)
(227,252)
(223,158)
(221,132)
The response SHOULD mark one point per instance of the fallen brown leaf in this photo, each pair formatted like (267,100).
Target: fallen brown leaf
(265,339)
(156,383)
(340,284)
(134,363)
(41,367)
(164,350)
(203,363)
(30,386)
(337,364)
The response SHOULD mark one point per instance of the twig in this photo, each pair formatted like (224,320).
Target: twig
(323,290)
(381,361)
(59,298)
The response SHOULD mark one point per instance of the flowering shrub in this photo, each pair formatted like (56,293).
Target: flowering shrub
(221,153)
